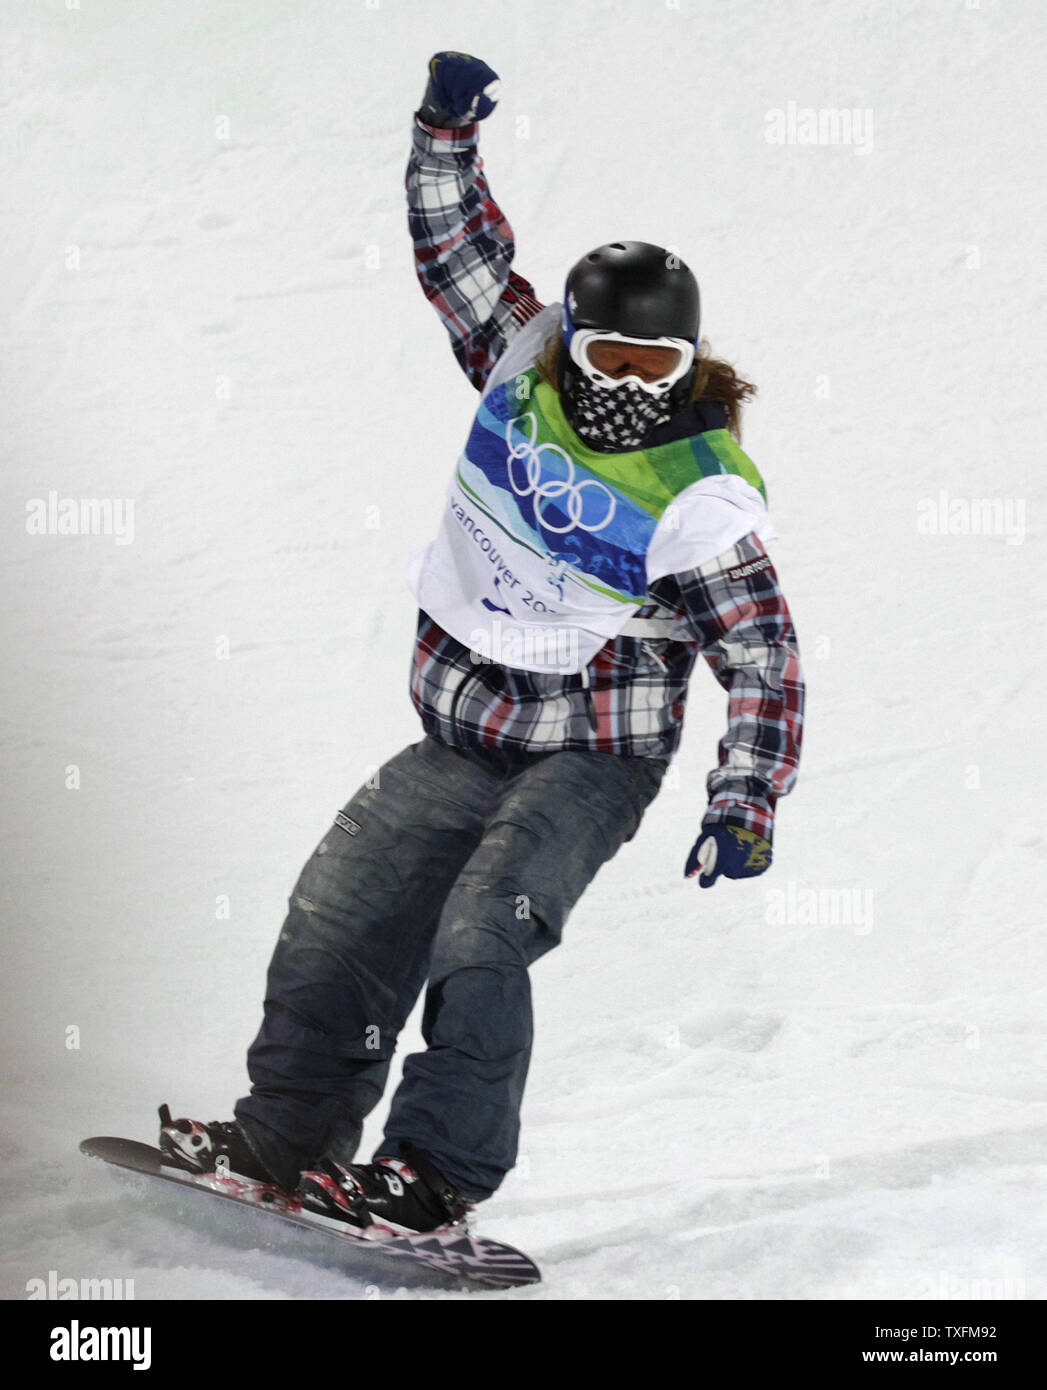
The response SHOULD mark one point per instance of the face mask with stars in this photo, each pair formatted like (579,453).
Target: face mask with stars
(615,419)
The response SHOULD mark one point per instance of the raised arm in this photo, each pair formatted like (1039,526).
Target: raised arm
(463,245)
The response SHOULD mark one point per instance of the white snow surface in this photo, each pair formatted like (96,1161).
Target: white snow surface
(208,306)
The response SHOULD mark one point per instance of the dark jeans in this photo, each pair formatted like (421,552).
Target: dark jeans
(460,867)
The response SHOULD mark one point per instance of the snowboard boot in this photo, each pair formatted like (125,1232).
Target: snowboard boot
(391,1197)
(218,1147)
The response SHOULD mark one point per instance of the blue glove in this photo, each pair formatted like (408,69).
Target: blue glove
(728,850)
(461,89)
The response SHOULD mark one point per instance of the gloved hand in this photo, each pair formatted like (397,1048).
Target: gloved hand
(461,89)
(729,850)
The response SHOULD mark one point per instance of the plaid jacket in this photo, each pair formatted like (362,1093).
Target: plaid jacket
(631,699)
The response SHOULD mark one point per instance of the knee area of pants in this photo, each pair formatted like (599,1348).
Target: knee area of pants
(319,912)
(499,942)
(482,1013)
(496,902)
(307,926)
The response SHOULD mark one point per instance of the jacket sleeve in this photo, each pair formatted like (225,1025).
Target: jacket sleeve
(463,248)
(743,624)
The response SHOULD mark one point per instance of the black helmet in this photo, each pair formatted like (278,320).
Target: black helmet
(637,289)
(634,288)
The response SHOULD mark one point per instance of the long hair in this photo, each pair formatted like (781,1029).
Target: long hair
(715,380)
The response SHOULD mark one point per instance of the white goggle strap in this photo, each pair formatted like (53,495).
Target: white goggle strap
(580,356)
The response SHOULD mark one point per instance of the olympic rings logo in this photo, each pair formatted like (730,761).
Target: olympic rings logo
(554,488)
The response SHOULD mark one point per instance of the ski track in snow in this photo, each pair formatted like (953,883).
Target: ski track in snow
(828,1083)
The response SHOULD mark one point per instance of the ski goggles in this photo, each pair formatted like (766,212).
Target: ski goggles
(611,359)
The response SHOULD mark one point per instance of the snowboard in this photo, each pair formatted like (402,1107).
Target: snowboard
(453,1252)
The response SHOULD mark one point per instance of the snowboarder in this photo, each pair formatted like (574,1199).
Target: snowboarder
(603,528)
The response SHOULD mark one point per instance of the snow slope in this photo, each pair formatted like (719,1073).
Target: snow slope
(827,1083)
